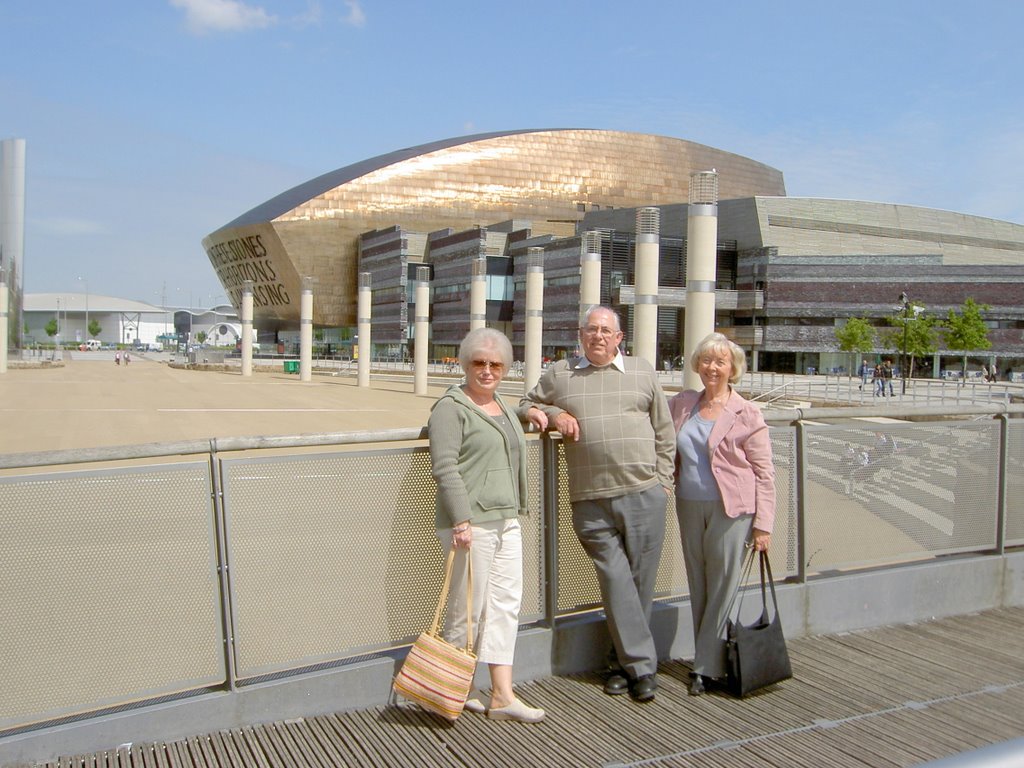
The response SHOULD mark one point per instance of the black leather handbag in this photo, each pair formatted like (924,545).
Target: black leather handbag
(756,655)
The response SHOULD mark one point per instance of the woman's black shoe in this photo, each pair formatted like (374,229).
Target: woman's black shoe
(696,685)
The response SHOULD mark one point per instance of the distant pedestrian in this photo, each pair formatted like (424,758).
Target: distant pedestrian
(127,358)
(887,377)
(117,358)
(878,380)
(865,374)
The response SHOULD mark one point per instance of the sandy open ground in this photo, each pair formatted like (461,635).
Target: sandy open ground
(91,402)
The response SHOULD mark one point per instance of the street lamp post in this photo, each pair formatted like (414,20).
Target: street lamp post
(906,323)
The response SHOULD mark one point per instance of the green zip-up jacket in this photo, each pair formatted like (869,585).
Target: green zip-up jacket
(471,461)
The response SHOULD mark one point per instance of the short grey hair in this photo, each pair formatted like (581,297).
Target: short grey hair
(717,342)
(602,308)
(481,339)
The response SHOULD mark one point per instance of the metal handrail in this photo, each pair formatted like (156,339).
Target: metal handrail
(773,395)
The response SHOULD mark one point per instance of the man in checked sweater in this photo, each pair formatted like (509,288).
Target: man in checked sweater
(620,451)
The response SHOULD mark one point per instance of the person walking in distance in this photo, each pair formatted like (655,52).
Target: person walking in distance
(865,374)
(620,453)
(887,378)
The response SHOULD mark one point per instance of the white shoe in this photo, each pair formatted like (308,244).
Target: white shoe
(517,711)
(475,705)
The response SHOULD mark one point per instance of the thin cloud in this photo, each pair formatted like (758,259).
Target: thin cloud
(205,16)
(69,227)
(356,17)
(312,16)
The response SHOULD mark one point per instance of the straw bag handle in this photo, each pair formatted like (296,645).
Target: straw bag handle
(442,598)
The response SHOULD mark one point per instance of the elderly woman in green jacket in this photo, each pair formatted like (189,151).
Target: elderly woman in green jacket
(478,458)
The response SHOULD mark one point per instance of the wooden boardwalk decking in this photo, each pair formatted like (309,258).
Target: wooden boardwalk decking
(893,696)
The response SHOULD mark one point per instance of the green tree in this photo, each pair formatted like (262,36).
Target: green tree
(913,332)
(94,328)
(51,327)
(856,336)
(965,331)
(201,337)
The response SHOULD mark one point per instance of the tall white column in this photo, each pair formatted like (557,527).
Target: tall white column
(701,268)
(590,271)
(4,327)
(12,222)
(422,327)
(306,331)
(645,310)
(478,294)
(363,324)
(534,317)
(247,328)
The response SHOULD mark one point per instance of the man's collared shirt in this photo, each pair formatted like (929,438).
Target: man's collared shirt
(617,362)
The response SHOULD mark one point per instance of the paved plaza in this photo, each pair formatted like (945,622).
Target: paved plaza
(91,402)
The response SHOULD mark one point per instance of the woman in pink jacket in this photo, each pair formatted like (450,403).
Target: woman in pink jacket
(725,494)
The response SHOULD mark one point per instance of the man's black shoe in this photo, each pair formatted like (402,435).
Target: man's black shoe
(616,684)
(644,687)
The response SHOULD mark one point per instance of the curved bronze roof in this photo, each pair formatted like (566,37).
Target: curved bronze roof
(547,177)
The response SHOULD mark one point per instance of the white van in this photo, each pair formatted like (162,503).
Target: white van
(93,344)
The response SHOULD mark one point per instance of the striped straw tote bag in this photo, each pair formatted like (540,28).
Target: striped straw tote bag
(436,674)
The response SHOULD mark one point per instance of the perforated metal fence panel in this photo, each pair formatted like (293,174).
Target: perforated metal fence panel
(577,583)
(109,588)
(335,554)
(1015,483)
(889,492)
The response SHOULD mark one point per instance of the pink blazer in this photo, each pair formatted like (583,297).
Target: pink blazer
(741,456)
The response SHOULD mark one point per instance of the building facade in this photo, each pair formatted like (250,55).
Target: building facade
(550,178)
(789,270)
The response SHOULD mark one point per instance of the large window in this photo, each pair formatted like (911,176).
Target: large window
(499,288)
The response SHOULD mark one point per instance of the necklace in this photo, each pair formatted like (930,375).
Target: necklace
(711,402)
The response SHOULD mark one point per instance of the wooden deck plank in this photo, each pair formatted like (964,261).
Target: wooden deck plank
(257,758)
(891,696)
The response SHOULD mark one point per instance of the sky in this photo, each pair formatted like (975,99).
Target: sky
(150,124)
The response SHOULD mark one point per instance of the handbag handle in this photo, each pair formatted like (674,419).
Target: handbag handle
(765,567)
(443,598)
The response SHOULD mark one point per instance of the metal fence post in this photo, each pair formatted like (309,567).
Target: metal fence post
(220,525)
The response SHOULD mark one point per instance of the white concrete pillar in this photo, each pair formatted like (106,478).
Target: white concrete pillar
(306,331)
(701,266)
(422,330)
(12,226)
(478,294)
(534,317)
(645,309)
(363,324)
(4,326)
(247,328)
(590,271)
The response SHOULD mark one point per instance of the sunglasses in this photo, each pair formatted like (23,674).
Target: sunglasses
(482,365)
